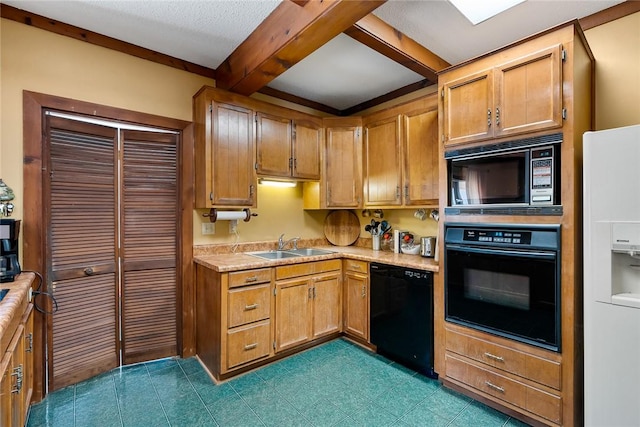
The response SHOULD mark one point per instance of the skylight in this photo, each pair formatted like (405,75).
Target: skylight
(478,11)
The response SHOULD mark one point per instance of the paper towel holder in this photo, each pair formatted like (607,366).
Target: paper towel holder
(214,215)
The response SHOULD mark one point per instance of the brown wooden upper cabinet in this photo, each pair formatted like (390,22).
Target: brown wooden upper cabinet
(224,150)
(288,148)
(383,162)
(401,155)
(343,158)
(341,183)
(520,96)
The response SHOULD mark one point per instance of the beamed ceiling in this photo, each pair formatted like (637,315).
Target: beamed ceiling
(339,56)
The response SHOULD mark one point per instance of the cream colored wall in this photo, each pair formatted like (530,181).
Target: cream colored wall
(41,61)
(616,47)
(44,62)
(279,211)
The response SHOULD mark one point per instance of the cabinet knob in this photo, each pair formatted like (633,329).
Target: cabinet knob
(364,291)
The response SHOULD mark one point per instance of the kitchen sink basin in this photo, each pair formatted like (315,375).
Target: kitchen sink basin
(3,293)
(273,254)
(310,251)
(291,253)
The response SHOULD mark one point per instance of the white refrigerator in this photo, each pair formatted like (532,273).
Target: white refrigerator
(612,277)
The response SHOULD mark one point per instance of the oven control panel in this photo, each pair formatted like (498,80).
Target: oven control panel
(497,236)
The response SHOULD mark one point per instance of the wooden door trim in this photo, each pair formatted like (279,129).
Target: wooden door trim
(34,224)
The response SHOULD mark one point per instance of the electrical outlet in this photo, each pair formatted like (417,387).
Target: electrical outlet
(233,226)
(208,228)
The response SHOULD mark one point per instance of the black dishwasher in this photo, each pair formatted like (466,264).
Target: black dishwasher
(401,315)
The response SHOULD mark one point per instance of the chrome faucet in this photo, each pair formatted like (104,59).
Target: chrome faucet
(282,243)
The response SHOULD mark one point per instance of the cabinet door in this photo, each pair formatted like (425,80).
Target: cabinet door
(327,304)
(356,307)
(27,382)
(307,143)
(342,157)
(529,93)
(293,313)
(233,175)
(468,108)
(5,389)
(421,157)
(16,348)
(273,146)
(382,164)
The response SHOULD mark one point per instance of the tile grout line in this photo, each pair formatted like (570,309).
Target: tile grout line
(206,408)
(115,391)
(74,403)
(157,395)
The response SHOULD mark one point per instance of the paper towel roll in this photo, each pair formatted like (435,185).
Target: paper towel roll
(230,215)
(215,215)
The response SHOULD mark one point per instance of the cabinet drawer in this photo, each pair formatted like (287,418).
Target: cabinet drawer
(356,266)
(248,343)
(534,368)
(307,268)
(492,383)
(249,277)
(249,304)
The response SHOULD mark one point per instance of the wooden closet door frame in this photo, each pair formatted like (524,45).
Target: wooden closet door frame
(34,222)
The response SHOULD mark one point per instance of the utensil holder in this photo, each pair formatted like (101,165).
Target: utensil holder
(375,239)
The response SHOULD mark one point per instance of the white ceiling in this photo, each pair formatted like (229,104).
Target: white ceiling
(340,74)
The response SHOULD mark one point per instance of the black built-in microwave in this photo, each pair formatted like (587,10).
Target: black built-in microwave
(515,177)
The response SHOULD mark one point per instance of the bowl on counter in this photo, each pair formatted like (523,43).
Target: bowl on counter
(410,249)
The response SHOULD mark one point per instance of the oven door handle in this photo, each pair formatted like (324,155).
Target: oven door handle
(506,252)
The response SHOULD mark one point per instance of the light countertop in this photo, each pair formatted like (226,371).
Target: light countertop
(242,261)
(13,303)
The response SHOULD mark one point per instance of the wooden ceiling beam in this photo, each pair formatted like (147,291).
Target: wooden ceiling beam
(288,35)
(385,39)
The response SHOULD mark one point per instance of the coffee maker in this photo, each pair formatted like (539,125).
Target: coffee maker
(9,265)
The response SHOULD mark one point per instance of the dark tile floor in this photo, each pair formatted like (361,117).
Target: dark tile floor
(335,384)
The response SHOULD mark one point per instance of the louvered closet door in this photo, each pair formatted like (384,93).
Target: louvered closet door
(149,236)
(82,259)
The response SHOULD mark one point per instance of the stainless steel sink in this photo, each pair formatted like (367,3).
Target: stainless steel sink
(291,253)
(310,251)
(273,254)
(3,293)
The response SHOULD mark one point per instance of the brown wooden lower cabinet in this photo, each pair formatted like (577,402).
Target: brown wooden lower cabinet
(308,302)
(16,372)
(248,343)
(528,382)
(356,299)
(244,318)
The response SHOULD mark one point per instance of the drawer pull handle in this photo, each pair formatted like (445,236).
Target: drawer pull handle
(251,279)
(364,289)
(494,357)
(250,346)
(355,267)
(250,307)
(494,387)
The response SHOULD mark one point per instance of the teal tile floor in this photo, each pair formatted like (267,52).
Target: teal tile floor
(335,384)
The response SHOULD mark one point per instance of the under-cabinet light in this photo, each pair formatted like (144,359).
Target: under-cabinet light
(478,11)
(277,183)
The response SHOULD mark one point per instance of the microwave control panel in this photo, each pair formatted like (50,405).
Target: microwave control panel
(498,236)
(542,176)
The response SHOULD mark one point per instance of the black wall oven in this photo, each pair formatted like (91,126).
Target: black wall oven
(505,279)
